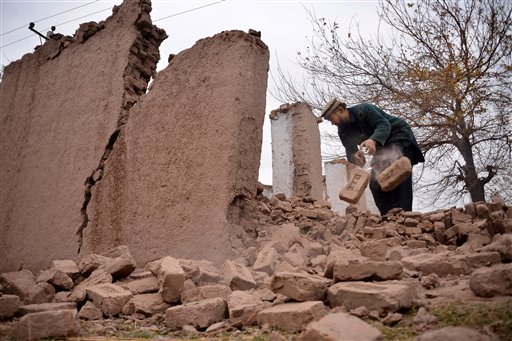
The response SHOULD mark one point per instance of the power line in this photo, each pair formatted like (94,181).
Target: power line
(190,10)
(5,56)
(51,16)
(66,22)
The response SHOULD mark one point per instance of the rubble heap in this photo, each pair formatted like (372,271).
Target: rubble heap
(309,270)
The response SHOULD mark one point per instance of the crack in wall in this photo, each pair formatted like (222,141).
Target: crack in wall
(141,66)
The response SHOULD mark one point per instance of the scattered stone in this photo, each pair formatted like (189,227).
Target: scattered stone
(171,278)
(146,285)
(205,292)
(145,304)
(424,320)
(189,331)
(201,272)
(355,270)
(91,262)
(23,285)
(478,260)
(300,286)
(392,318)
(503,245)
(243,307)
(340,327)
(9,305)
(109,298)
(291,316)
(266,260)
(90,312)
(441,264)
(47,324)
(493,281)
(199,314)
(57,278)
(453,334)
(67,266)
(238,276)
(378,249)
(382,297)
(40,307)
(430,281)
(339,255)
(79,292)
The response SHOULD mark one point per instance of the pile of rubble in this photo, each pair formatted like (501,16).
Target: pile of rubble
(308,270)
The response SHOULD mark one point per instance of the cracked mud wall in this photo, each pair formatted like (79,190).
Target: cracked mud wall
(60,107)
(190,152)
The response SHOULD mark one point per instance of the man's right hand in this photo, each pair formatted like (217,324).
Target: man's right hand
(359,159)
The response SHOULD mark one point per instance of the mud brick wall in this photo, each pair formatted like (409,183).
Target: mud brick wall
(61,110)
(177,177)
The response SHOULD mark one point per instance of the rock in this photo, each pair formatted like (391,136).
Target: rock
(171,278)
(339,255)
(40,307)
(190,331)
(243,307)
(79,292)
(146,285)
(9,305)
(392,318)
(23,285)
(493,281)
(340,327)
(442,264)
(377,249)
(299,286)
(430,281)
(424,320)
(205,292)
(265,262)
(199,314)
(145,304)
(453,334)
(109,298)
(382,297)
(90,312)
(291,316)
(201,272)
(503,245)
(57,278)
(237,276)
(359,269)
(47,324)
(296,255)
(141,274)
(478,260)
(90,263)
(67,266)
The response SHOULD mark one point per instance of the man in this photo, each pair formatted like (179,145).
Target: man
(385,137)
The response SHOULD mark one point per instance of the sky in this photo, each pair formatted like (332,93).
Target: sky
(285,28)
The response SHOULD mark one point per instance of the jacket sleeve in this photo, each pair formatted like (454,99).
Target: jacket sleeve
(380,125)
(350,148)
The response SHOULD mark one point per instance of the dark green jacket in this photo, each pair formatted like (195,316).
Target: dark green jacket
(370,122)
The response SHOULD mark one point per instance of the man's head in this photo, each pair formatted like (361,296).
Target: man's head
(333,111)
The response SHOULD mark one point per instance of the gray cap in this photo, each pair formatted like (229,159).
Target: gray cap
(330,108)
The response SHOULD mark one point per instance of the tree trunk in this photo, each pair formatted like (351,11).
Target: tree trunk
(474,185)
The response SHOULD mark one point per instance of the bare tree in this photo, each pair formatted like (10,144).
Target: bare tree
(443,65)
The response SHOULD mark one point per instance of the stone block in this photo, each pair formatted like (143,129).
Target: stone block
(482,211)
(382,297)
(109,298)
(296,255)
(237,276)
(22,284)
(410,231)
(352,192)
(67,266)
(493,281)
(201,272)
(145,285)
(40,307)
(243,307)
(395,174)
(57,278)
(205,292)
(79,292)
(171,278)
(356,270)
(416,244)
(91,262)
(308,213)
(442,264)
(503,245)
(453,334)
(265,262)
(90,312)
(9,305)
(451,232)
(378,249)
(338,255)
(291,317)
(340,327)
(439,230)
(300,286)
(200,314)
(481,259)
(47,324)
(145,304)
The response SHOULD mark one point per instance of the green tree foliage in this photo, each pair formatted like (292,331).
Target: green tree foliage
(443,65)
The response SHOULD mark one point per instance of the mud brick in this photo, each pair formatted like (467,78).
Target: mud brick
(359,179)
(393,176)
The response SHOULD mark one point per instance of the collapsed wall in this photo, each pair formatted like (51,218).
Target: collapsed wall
(176,180)
(61,110)
(296,159)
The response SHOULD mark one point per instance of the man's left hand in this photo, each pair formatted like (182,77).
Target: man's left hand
(370,145)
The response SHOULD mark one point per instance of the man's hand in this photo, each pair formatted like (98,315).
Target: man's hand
(359,159)
(370,145)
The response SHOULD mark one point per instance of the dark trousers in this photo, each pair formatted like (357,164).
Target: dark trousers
(401,196)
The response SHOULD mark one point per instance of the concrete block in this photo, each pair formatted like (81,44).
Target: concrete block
(492,281)
(205,292)
(356,270)
(265,261)
(47,324)
(40,307)
(109,298)
(243,307)
(340,327)
(395,174)
(171,278)
(237,276)
(291,316)
(382,297)
(300,286)
(200,314)
(145,285)
(145,304)
(356,186)
(9,305)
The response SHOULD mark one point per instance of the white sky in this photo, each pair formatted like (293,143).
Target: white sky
(284,25)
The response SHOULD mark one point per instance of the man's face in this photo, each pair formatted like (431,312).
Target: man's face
(336,117)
